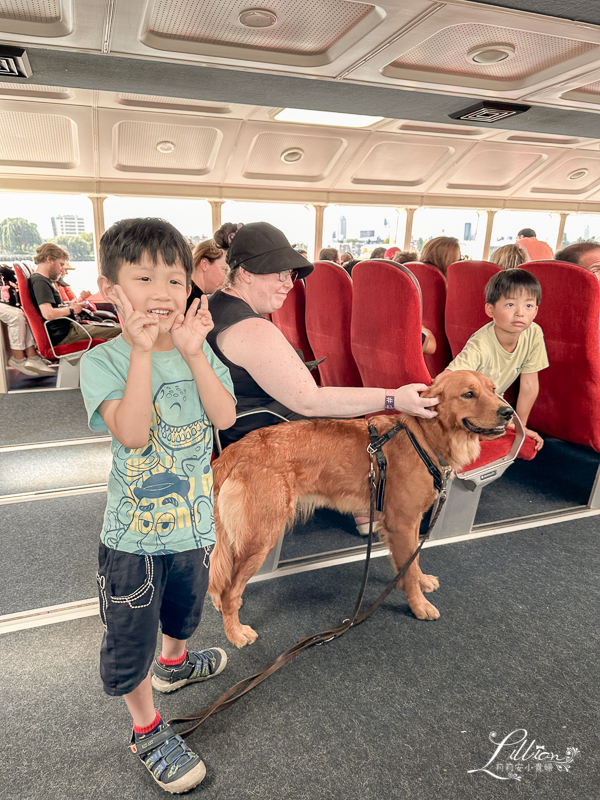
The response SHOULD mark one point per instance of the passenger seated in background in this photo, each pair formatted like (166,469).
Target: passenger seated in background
(65,290)
(509,256)
(441,252)
(344,258)
(379,252)
(329,254)
(210,270)
(538,251)
(512,344)
(582,254)
(23,355)
(50,260)
(157,389)
(349,265)
(405,256)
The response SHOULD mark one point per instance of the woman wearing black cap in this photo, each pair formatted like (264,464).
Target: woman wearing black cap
(265,369)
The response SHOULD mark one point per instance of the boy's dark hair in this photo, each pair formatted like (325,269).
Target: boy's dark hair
(128,239)
(509,281)
(527,233)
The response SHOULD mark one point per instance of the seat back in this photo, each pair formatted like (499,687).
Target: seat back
(465,300)
(569,398)
(386,325)
(328,317)
(433,289)
(36,323)
(290,320)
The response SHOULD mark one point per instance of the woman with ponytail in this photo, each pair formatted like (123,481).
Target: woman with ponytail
(265,369)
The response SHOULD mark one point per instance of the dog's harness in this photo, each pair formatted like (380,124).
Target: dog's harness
(377,496)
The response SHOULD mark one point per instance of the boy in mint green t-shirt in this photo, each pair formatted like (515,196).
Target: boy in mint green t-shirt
(158,388)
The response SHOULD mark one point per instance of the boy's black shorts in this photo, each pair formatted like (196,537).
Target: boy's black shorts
(136,592)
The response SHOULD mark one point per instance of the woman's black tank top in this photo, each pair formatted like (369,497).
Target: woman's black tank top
(226,311)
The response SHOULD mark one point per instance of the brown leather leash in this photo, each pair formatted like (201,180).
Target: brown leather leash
(440,477)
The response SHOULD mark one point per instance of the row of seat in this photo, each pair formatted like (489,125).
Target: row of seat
(368,328)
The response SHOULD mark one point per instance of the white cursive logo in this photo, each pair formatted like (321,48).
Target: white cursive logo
(523,756)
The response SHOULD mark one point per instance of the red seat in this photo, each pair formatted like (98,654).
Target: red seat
(290,320)
(569,398)
(68,376)
(465,300)
(386,325)
(433,289)
(328,316)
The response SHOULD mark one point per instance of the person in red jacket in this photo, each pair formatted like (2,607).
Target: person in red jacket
(537,251)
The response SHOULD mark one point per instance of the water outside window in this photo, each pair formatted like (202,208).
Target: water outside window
(29,219)
(466,225)
(360,229)
(296,221)
(507,224)
(580,227)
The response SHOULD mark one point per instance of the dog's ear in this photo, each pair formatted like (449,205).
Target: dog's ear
(438,386)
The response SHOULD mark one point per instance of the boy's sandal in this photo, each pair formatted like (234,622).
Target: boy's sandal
(169,760)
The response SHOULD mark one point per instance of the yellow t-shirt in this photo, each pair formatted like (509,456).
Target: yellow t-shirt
(484,353)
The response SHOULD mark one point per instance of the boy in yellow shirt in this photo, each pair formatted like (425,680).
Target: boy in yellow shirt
(512,344)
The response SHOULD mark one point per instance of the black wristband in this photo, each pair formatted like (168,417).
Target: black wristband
(71,313)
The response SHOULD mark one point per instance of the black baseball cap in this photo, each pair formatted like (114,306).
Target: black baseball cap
(262,249)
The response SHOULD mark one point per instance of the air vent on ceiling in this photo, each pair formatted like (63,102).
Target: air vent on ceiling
(489,111)
(14,62)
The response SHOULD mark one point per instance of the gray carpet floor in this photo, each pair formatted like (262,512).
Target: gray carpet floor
(396,708)
(48,416)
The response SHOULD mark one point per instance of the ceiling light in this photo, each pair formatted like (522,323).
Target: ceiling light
(490,53)
(292,155)
(489,111)
(577,174)
(257,18)
(165,147)
(325,118)
(14,62)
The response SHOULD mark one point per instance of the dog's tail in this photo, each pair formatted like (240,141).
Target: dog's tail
(229,523)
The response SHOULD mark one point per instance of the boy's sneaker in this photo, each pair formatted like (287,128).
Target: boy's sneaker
(169,760)
(196,667)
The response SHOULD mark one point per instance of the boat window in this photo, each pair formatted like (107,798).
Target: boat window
(464,224)
(507,225)
(580,227)
(360,229)
(297,221)
(28,219)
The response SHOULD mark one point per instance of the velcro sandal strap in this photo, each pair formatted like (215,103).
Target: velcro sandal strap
(143,746)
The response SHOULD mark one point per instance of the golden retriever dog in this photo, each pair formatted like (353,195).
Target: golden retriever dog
(275,476)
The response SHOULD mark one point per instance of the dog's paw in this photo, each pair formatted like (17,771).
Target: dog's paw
(428,583)
(244,635)
(425,610)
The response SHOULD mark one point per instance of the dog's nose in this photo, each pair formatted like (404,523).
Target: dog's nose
(505,412)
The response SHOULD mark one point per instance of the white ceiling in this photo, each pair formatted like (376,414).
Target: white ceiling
(417,51)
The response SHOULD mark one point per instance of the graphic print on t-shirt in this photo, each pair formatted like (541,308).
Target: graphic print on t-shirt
(166,485)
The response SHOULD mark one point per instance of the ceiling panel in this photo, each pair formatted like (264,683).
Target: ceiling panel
(164,146)
(293,156)
(494,169)
(575,175)
(45,139)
